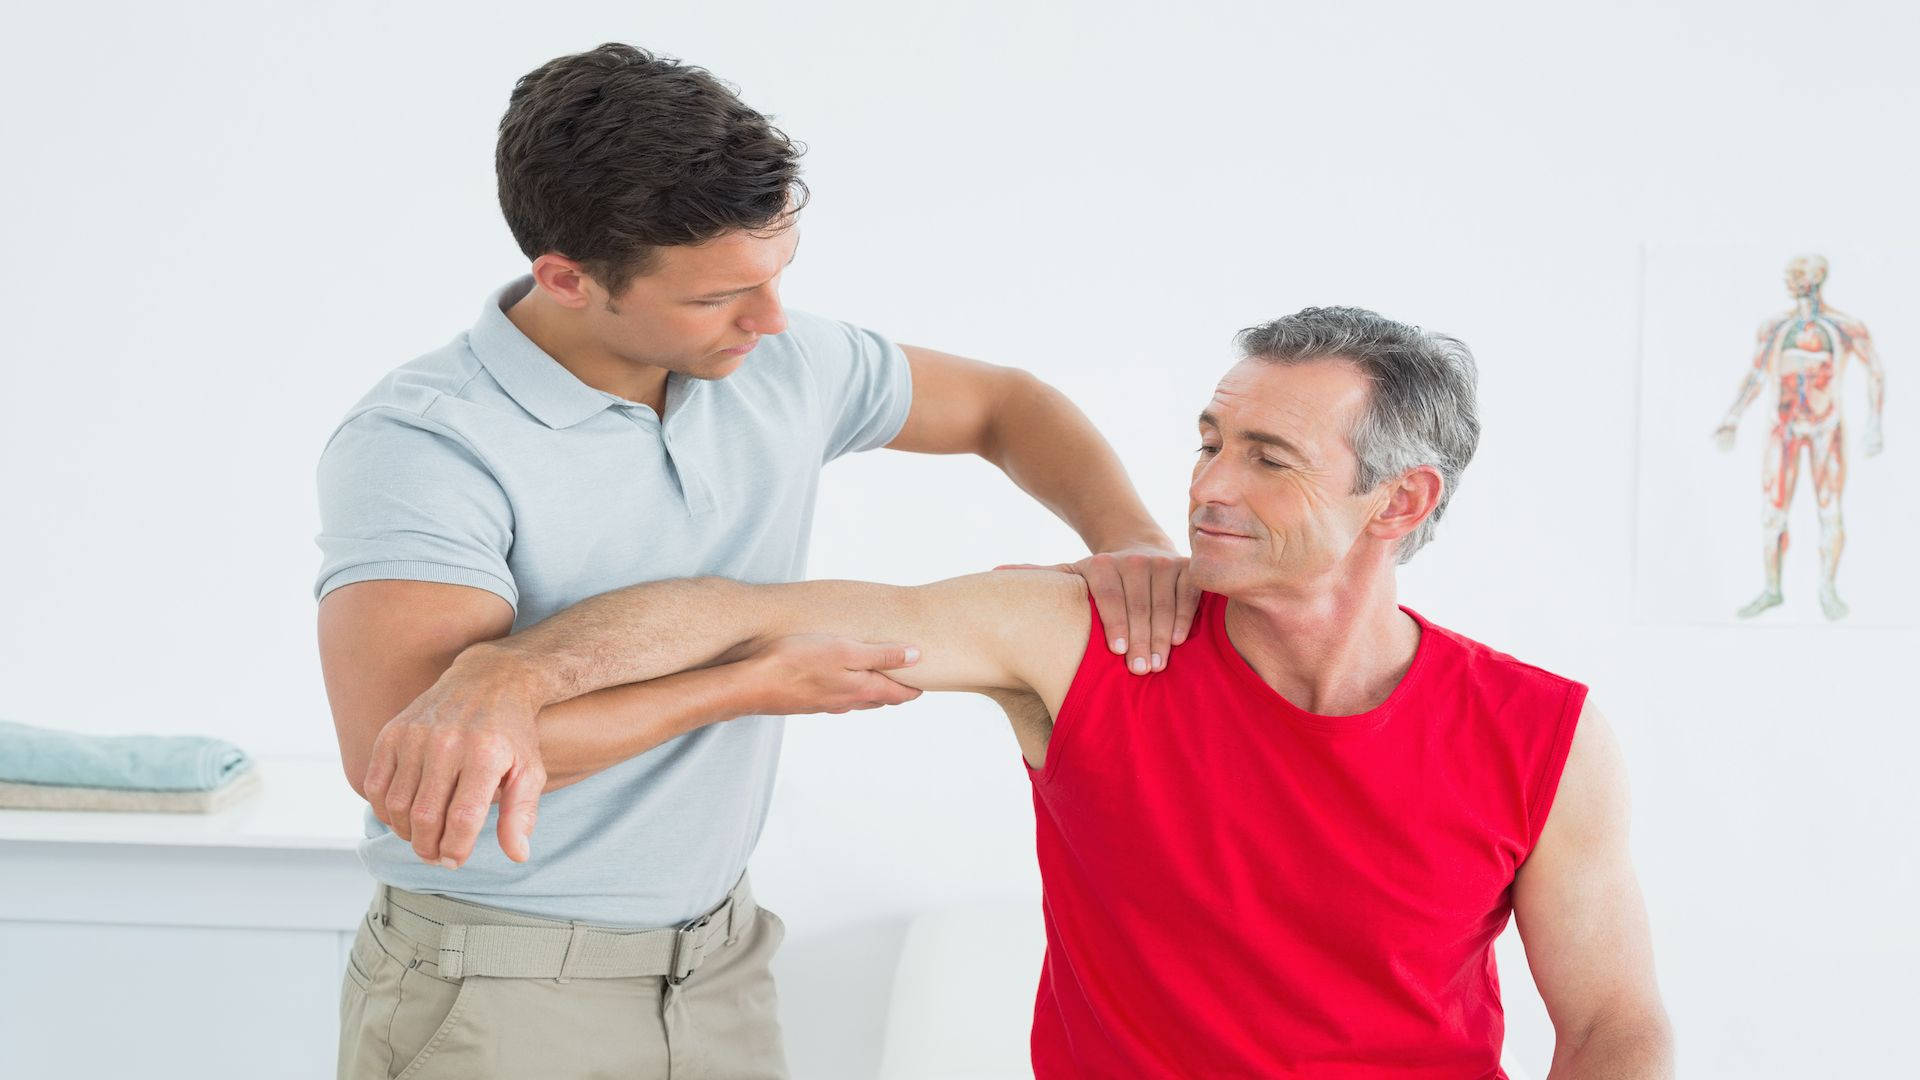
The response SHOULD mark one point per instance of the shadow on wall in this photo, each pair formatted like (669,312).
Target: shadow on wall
(834,990)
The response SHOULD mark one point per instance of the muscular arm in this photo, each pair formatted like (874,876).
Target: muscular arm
(436,765)
(1002,630)
(1049,449)
(382,643)
(1578,906)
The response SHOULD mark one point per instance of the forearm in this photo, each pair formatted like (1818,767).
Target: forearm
(1048,447)
(658,628)
(1637,1049)
(629,635)
(596,731)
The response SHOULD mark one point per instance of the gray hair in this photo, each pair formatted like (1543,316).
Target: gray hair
(1421,406)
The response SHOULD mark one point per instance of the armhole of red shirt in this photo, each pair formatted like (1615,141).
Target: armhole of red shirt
(1078,689)
(1555,762)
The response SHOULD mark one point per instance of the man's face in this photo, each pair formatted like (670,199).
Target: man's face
(1270,503)
(700,302)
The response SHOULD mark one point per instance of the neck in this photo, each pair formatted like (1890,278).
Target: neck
(559,333)
(1809,303)
(1337,649)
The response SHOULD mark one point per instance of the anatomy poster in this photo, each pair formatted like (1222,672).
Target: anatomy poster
(1772,442)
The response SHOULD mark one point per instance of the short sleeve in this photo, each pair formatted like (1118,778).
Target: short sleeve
(404,498)
(865,385)
(1553,761)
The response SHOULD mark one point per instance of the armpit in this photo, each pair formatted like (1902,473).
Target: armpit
(1032,723)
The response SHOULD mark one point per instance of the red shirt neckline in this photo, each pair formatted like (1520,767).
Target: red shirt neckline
(1353,723)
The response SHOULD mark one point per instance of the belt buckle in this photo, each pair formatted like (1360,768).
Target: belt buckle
(686,950)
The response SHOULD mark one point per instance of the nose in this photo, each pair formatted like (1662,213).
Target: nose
(765,315)
(1213,481)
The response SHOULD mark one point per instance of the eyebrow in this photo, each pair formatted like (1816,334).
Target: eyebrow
(749,288)
(1266,437)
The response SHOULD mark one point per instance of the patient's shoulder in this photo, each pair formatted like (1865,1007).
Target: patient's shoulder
(1047,628)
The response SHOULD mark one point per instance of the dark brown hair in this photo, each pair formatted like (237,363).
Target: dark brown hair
(607,155)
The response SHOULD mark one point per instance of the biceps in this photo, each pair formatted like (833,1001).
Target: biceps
(383,643)
(1586,936)
(954,403)
(976,632)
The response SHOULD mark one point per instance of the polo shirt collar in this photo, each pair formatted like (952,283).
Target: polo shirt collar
(538,382)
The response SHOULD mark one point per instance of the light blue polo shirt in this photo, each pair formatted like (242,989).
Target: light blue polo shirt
(487,463)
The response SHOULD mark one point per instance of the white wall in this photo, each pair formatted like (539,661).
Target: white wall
(225,221)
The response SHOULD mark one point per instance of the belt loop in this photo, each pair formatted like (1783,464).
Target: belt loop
(733,910)
(452,958)
(566,958)
(382,904)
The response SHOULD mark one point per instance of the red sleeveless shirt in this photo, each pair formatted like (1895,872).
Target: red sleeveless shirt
(1236,887)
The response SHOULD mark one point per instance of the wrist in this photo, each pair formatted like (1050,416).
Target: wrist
(509,671)
(1155,540)
(742,687)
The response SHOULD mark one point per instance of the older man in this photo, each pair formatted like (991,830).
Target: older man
(1288,854)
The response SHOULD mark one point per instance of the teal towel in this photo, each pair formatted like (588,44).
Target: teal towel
(34,755)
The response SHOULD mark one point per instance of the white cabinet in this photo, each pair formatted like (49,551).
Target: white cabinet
(182,945)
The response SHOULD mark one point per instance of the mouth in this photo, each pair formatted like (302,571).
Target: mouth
(739,350)
(1215,534)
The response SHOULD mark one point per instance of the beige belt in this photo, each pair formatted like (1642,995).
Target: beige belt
(533,948)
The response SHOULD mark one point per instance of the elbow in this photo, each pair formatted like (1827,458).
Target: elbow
(355,777)
(1636,1043)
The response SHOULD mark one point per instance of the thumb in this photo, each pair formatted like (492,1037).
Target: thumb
(889,657)
(519,807)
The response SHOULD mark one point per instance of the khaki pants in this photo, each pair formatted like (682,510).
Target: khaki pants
(437,987)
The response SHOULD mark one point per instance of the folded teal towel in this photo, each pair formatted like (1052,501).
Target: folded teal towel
(34,755)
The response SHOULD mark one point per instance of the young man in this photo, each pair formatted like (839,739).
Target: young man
(640,406)
(1290,853)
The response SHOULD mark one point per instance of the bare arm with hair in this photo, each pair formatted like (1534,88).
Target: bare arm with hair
(385,642)
(1003,631)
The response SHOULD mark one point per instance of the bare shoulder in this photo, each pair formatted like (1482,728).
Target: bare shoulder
(1044,626)
(1590,807)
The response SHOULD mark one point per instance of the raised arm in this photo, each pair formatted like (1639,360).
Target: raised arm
(1019,630)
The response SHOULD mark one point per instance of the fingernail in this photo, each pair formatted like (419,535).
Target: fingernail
(1139,665)
(1158,663)
(912,654)
(449,864)
(1119,644)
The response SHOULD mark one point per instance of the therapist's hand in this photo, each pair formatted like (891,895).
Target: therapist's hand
(472,738)
(1146,598)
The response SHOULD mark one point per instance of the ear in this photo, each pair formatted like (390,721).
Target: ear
(564,280)
(1409,500)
